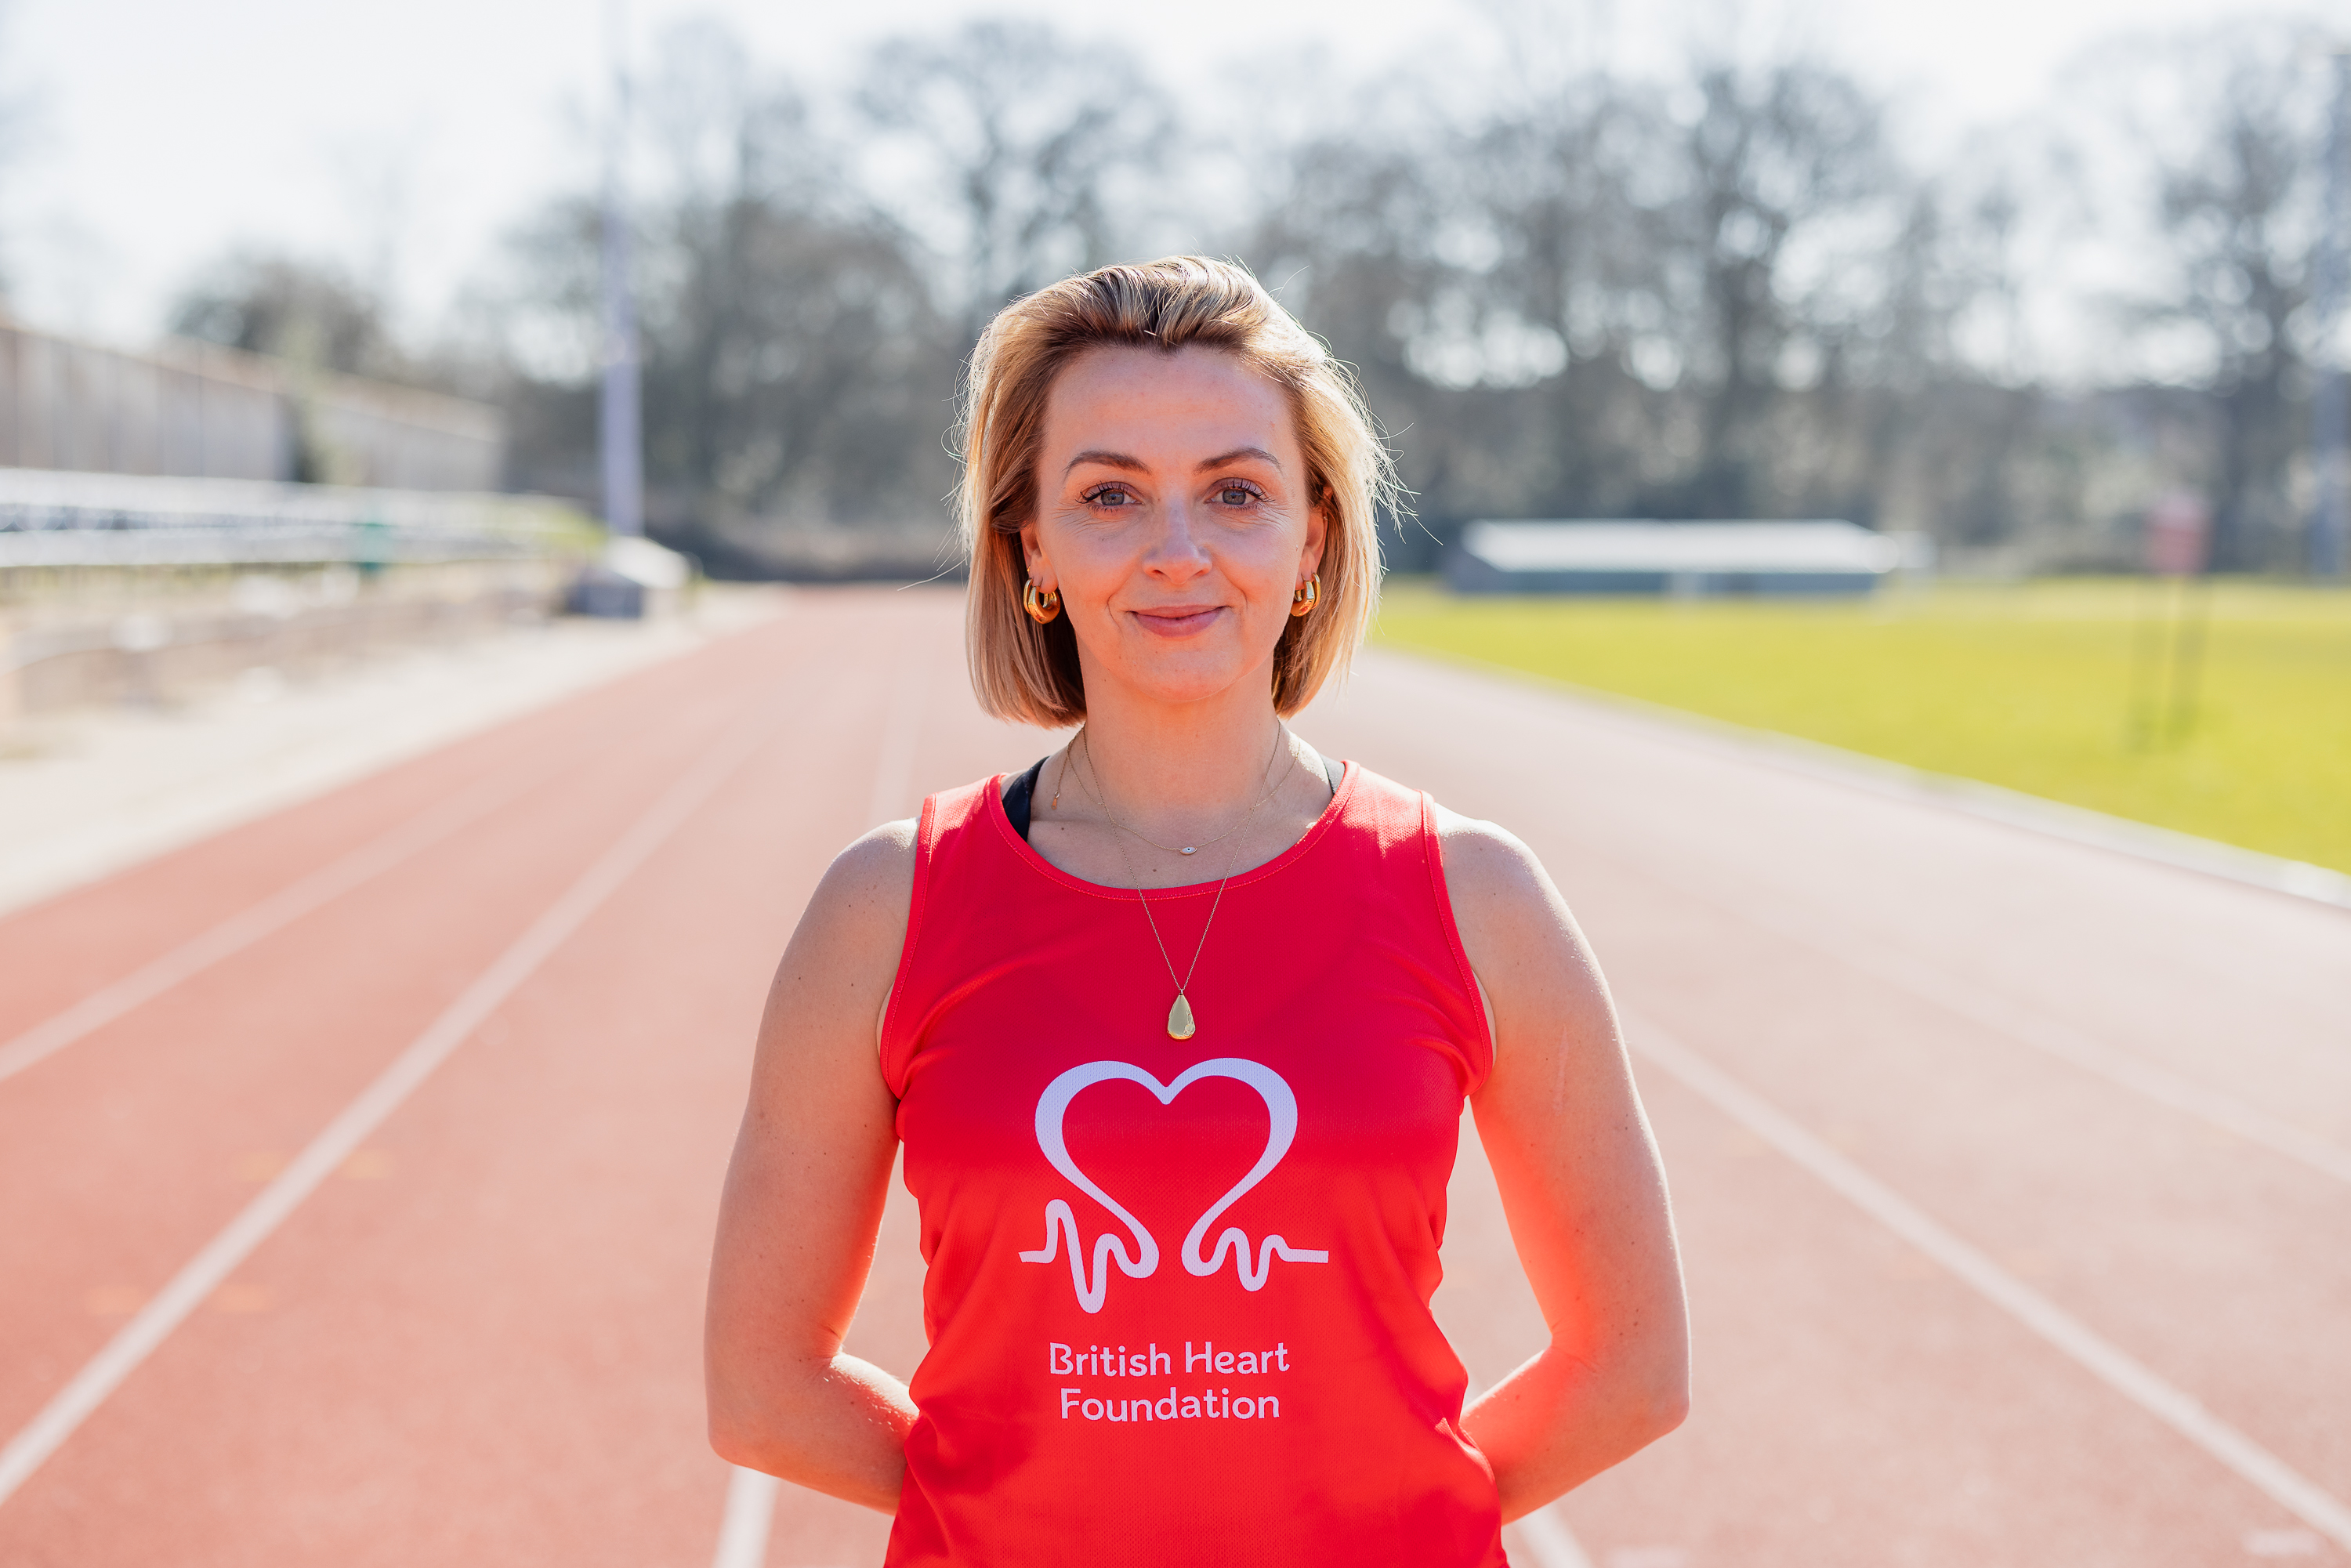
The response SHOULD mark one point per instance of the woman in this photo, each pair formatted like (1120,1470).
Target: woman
(1176,1029)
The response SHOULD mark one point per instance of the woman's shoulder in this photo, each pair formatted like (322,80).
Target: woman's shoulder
(872,879)
(1476,853)
(1489,872)
(888,848)
(881,864)
(1489,869)
(1520,936)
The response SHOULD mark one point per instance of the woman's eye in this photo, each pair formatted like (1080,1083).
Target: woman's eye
(1234,495)
(1114,496)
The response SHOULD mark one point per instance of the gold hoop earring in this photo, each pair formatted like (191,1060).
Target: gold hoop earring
(1306,595)
(1042,604)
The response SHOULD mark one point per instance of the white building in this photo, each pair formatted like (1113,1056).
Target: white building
(1819,557)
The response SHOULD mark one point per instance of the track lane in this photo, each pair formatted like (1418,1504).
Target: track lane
(310,889)
(1855,1404)
(2191,1250)
(340,1141)
(250,925)
(2091,1350)
(118,1158)
(63,947)
(2145,1221)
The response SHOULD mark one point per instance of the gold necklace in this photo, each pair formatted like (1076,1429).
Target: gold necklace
(1282,734)
(1181,1025)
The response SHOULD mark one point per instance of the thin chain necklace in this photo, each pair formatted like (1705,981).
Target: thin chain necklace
(1181,1025)
(1282,734)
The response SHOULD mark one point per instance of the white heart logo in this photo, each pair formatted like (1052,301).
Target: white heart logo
(1059,1221)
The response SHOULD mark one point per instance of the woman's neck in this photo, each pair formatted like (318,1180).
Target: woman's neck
(1173,769)
(1145,779)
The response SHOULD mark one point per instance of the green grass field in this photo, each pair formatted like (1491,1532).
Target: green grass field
(2056,688)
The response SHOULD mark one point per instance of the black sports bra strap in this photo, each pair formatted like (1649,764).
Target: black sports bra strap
(1334,769)
(1019,796)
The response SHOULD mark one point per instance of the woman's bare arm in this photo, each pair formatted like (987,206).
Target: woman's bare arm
(1581,1184)
(803,1200)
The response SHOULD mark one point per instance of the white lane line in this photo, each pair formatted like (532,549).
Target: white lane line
(893,774)
(750,1495)
(250,925)
(2070,1045)
(204,1273)
(2099,1356)
(750,1512)
(1541,1538)
(1545,1540)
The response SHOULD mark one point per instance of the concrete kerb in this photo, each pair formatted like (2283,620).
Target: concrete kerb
(134,786)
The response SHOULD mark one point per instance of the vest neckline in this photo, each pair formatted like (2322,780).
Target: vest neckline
(1027,852)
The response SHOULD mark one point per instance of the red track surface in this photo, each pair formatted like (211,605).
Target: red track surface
(479,1343)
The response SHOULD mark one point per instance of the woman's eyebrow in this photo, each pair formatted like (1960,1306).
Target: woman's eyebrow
(1136,465)
(1109,460)
(1240,452)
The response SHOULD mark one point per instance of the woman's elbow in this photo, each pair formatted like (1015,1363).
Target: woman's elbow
(1668,1408)
(771,1413)
(747,1417)
(736,1441)
(1662,1402)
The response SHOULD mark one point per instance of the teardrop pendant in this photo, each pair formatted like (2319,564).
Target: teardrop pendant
(1179,1018)
(1189,850)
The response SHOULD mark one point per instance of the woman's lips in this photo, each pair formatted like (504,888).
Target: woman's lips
(1177,621)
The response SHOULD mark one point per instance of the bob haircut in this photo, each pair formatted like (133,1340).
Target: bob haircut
(1029,673)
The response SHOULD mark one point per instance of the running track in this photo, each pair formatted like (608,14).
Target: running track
(357,1167)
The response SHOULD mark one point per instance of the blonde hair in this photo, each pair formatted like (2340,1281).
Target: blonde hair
(1026,672)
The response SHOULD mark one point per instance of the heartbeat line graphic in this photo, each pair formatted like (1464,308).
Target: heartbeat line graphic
(1061,1221)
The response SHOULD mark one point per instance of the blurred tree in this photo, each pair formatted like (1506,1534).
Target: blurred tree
(794,361)
(2236,207)
(796,369)
(1580,305)
(1347,241)
(1033,140)
(1968,424)
(314,313)
(1774,162)
(1709,291)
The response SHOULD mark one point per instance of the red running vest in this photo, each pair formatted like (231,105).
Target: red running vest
(1178,1291)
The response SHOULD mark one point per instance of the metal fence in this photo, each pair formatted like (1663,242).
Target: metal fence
(56,519)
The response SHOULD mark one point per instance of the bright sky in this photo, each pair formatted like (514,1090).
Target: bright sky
(147,136)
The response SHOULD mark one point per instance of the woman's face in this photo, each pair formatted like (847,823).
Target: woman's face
(1172,517)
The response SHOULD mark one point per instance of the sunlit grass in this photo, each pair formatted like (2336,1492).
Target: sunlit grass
(2054,688)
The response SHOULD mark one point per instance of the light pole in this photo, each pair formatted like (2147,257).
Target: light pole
(2330,409)
(620,422)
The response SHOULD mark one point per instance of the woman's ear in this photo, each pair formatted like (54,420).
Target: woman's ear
(1032,557)
(1318,532)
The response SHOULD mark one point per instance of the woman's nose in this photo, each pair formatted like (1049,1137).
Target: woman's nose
(1177,551)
